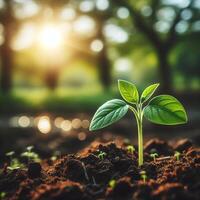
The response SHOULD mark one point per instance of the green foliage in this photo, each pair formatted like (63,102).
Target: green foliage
(55,155)
(128,91)
(2,195)
(10,154)
(30,155)
(112,183)
(101,155)
(108,113)
(177,155)
(14,162)
(130,149)
(148,92)
(163,109)
(154,155)
(143,176)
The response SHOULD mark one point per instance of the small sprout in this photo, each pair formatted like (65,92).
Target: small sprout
(53,158)
(55,155)
(30,155)
(112,183)
(101,155)
(10,154)
(29,148)
(177,155)
(2,195)
(154,155)
(130,149)
(143,176)
(15,164)
(162,109)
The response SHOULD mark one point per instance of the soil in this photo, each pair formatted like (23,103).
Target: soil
(85,176)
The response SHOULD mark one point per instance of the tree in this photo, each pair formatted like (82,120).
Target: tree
(163,41)
(7,20)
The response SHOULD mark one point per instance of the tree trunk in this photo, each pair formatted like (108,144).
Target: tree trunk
(6,62)
(164,70)
(104,68)
(52,78)
(104,65)
(6,51)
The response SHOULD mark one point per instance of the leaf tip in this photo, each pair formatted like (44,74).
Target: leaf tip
(91,128)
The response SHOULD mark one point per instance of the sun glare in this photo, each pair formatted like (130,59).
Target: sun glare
(50,37)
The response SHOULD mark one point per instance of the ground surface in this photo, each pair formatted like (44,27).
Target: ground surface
(85,175)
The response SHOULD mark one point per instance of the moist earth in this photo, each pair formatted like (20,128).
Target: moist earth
(86,175)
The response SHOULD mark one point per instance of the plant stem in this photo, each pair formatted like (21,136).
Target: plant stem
(140,142)
(139,116)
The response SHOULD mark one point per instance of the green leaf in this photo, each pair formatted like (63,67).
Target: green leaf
(165,109)
(148,92)
(128,91)
(108,113)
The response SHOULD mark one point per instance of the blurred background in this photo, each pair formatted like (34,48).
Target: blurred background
(60,60)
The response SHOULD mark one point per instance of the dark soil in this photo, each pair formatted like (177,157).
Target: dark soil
(84,176)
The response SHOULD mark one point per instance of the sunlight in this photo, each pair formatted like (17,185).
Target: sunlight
(50,37)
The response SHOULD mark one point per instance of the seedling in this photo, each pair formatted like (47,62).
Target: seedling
(2,195)
(14,162)
(143,176)
(154,155)
(55,155)
(30,155)
(112,183)
(177,155)
(162,109)
(10,154)
(101,155)
(130,149)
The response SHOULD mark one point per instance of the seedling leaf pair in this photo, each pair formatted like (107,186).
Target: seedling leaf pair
(162,109)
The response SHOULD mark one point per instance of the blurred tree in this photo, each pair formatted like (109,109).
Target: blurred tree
(163,23)
(8,21)
(100,17)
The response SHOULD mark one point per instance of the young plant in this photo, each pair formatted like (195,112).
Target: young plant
(112,183)
(130,149)
(154,155)
(2,195)
(143,176)
(14,162)
(101,155)
(30,155)
(177,155)
(162,109)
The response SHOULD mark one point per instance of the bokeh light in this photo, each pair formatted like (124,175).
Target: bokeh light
(58,121)
(96,45)
(50,37)
(44,124)
(82,136)
(66,125)
(24,121)
(85,123)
